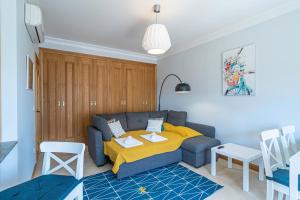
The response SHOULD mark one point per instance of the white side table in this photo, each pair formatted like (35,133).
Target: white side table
(242,153)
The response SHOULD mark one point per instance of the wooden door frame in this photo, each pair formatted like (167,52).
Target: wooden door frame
(38,109)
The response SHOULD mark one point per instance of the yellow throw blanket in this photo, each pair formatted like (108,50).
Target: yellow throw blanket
(175,135)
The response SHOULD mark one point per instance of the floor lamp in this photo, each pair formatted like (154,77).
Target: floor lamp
(180,88)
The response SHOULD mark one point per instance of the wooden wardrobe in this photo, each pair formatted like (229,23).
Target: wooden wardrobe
(77,86)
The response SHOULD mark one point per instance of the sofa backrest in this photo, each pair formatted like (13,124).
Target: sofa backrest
(136,120)
(118,116)
(177,118)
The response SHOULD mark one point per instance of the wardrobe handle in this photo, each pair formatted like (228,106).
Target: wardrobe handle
(91,103)
(58,103)
(95,103)
(146,102)
(63,103)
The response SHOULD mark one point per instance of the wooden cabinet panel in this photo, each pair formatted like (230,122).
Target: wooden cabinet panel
(116,88)
(98,87)
(51,109)
(85,66)
(77,86)
(69,96)
(150,88)
(134,75)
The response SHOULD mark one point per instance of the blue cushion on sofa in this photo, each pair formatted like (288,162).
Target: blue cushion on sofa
(282,176)
(47,187)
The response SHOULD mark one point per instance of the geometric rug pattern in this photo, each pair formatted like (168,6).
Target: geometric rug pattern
(170,182)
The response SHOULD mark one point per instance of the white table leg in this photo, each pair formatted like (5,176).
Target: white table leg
(280,196)
(246,176)
(287,197)
(261,170)
(213,162)
(270,190)
(229,164)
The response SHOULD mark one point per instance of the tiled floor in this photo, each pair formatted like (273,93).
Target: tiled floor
(231,179)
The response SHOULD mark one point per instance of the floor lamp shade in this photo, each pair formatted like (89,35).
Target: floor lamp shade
(156,39)
(183,88)
(180,88)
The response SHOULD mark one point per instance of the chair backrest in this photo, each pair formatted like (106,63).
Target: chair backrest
(271,151)
(288,142)
(294,172)
(48,148)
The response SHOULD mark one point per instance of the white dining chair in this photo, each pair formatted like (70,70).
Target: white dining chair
(49,148)
(294,176)
(52,186)
(288,142)
(274,165)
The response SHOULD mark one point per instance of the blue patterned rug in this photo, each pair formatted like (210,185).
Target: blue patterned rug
(170,182)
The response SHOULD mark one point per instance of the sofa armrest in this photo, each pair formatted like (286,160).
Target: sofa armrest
(208,131)
(96,146)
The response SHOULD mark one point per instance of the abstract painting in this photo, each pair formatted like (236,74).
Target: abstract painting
(239,71)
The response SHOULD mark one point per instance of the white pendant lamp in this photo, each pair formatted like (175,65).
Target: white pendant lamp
(156,39)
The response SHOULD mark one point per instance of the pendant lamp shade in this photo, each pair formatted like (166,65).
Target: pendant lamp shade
(156,39)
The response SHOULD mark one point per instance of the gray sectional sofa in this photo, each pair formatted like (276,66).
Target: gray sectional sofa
(194,151)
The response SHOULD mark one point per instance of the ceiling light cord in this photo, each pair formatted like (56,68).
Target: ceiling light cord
(156,9)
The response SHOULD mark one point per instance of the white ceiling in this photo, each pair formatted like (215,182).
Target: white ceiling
(121,23)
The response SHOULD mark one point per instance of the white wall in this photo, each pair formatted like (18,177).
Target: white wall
(240,119)
(9,70)
(26,115)
(17,115)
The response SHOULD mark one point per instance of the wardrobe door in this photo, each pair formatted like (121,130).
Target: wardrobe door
(98,87)
(85,65)
(116,88)
(69,96)
(134,87)
(149,87)
(51,96)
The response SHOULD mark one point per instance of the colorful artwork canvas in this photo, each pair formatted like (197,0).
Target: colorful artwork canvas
(239,71)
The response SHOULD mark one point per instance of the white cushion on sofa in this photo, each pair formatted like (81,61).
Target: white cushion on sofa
(116,128)
(154,125)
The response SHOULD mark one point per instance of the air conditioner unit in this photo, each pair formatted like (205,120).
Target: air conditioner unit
(34,23)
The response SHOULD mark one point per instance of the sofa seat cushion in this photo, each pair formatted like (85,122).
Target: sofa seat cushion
(196,151)
(199,144)
(43,187)
(118,116)
(177,118)
(119,155)
(282,176)
(137,120)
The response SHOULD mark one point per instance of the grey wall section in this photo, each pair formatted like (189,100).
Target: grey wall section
(240,119)
(26,116)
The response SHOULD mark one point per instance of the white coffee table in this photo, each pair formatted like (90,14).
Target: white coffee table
(242,153)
